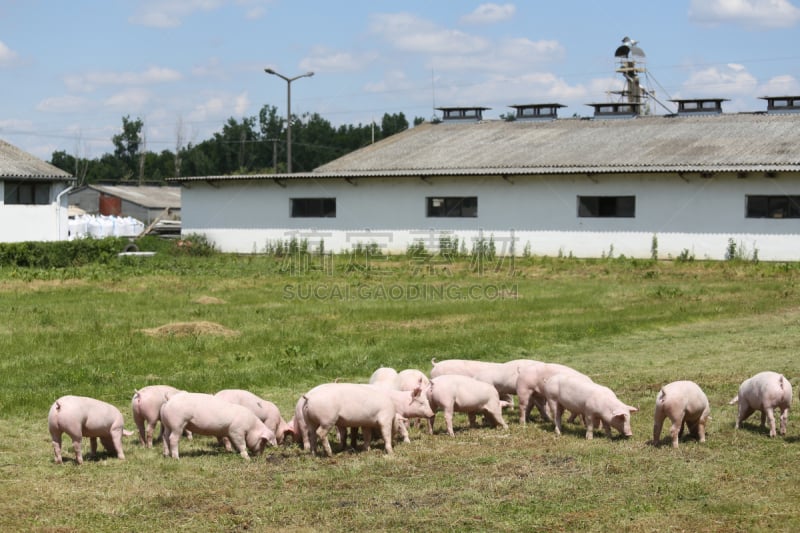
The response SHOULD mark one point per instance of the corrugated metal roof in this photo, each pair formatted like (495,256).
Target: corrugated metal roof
(145,195)
(17,164)
(723,143)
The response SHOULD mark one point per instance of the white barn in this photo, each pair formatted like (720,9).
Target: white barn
(34,200)
(613,184)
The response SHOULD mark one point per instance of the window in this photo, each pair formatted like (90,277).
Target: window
(453,206)
(313,207)
(773,206)
(607,206)
(27,192)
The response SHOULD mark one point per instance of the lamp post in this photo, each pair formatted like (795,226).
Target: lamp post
(288,112)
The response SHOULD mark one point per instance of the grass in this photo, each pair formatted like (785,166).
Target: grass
(631,325)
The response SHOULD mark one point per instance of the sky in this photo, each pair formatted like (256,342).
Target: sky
(71,70)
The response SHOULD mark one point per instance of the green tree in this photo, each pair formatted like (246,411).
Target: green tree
(391,124)
(126,146)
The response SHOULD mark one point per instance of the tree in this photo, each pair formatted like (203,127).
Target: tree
(391,124)
(126,145)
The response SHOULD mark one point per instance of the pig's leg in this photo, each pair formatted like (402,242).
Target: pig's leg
(675,431)
(76,445)
(57,447)
(744,412)
(701,429)
(784,419)
(557,410)
(93,446)
(431,420)
(386,431)
(658,423)
(591,422)
(367,438)
(151,427)
(116,441)
(769,414)
(165,434)
(173,439)
(448,420)
(238,441)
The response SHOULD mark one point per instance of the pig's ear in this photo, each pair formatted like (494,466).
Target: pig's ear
(633,409)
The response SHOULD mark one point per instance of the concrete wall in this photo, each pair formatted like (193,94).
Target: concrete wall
(687,214)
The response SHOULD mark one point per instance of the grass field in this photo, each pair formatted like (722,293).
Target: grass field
(631,325)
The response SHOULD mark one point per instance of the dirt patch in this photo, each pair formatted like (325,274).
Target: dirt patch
(209,300)
(189,329)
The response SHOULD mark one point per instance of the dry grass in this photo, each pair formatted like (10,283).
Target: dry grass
(190,329)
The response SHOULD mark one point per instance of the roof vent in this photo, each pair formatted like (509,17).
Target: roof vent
(468,114)
(537,111)
(700,106)
(782,104)
(616,109)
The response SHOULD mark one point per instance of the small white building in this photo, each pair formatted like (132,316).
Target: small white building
(618,183)
(34,201)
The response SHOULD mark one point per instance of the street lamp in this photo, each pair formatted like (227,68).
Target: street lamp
(288,112)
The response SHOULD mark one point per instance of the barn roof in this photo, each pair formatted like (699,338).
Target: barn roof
(744,142)
(148,196)
(17,164)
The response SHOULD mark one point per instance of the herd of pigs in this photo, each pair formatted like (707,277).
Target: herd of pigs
(244,421)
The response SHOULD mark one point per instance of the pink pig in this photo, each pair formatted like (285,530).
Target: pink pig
(456,393)
(764,392)
(78,417)
(597,404)
(530,387)
(205,414)
(146,406)
(265,410)
(343,405)
(685,404)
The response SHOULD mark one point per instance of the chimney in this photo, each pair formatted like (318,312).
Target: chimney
(465,114)
(536,111)
(782,104)
(617,109)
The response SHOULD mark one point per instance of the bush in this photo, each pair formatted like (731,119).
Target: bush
(60,254)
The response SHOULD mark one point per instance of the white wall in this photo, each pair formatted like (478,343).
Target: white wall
(689,214)
(48,222)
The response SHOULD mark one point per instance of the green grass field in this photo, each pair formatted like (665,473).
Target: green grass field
(631,325)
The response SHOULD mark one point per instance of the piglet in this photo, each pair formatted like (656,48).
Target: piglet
(205,414)
(597,404)
(764,392)
(685,404)
(78,417)
(456,393)
(265,410)
(146,407)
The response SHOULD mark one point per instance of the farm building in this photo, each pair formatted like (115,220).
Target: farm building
(34,204)
(144,203)
(692,182)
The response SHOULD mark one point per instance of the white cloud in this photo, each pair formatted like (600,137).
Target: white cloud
(409,33)
(129,100)
(241,104)
(754,14)
(324,60)
(89,81)
(784,85)
(170,13)
(722,82)
(7,55)
(490,13)
(63,104)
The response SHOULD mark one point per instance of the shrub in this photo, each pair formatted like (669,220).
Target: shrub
(60,254)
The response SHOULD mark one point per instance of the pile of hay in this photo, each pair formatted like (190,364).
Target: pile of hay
(188,329)
(209,300)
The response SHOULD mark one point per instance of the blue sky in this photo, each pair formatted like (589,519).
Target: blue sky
(71,70)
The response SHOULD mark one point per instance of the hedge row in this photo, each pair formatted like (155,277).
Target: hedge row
(60,254)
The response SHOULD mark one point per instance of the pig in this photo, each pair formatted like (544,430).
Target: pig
(503,376)
(596,403)
(411,378)
(205,414)
(265,410)
(78,417)
(343,405)
(384,376)
(685,404)
(530,387)
(146,406)
(409,404)
(456,393)
(764,392)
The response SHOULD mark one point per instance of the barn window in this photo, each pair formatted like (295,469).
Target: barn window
(313,207)
(27,192)
(779,206)
(453,206)
(607,206)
